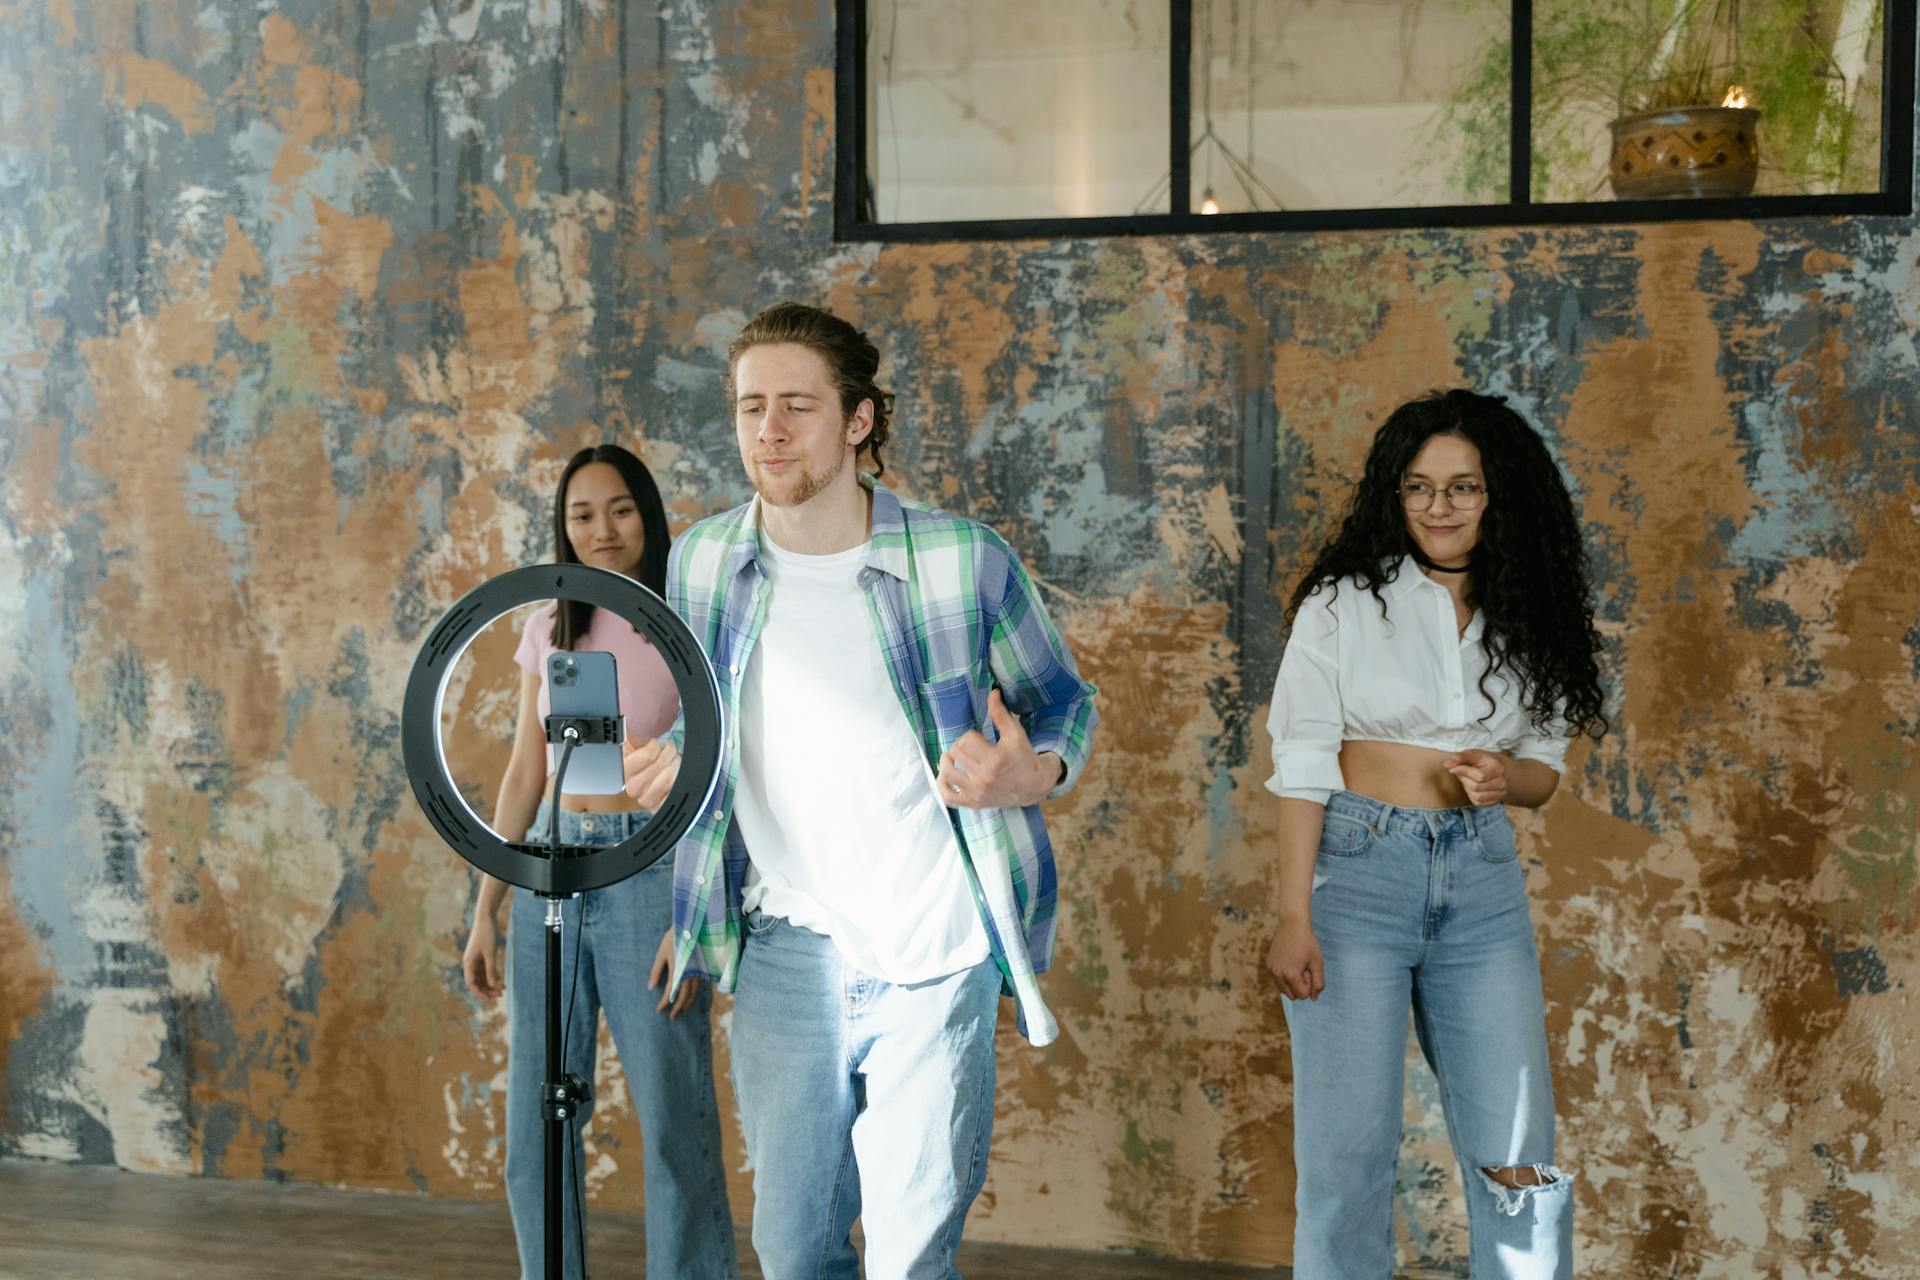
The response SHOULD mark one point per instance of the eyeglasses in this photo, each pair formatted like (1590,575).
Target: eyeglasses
(1462,495)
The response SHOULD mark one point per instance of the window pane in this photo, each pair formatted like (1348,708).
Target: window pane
(1016,109)
(1344,104)
(1641,98)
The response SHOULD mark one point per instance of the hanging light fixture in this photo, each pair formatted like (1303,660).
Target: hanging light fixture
(1257,193)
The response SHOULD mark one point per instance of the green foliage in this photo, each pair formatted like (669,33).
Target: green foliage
(1596,60)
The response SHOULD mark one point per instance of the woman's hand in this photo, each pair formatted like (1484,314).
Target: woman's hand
(1482,773)
(662,971)
(480,962)
(1294,960)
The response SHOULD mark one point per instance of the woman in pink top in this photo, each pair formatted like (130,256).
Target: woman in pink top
(607,512)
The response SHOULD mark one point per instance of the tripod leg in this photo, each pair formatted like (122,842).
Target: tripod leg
(555,1115)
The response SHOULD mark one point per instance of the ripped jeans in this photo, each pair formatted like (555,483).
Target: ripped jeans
(1424,910)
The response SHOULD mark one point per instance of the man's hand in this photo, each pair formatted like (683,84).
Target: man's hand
(650,768)
(662,971)
(1009,774)
(1482,773)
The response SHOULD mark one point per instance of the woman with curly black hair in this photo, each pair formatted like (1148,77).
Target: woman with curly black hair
(1441,657)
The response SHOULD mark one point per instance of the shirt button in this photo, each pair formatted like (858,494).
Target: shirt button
(699,879)
(685,934)
(716,815)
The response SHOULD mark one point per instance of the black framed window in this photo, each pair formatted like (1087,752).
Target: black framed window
(1001,119)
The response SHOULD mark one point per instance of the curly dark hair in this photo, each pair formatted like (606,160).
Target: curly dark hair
(850,356)
(1529,571)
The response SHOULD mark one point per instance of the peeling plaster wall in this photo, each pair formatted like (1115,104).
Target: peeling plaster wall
(303,304)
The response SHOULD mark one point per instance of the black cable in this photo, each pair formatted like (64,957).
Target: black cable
(573,984)
(579,1207)
(559,776)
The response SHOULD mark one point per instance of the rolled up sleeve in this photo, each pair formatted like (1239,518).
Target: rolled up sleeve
(1038,677)
(1307,721)
(1548,746)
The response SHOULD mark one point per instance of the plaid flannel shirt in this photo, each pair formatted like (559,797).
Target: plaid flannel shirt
(956,616)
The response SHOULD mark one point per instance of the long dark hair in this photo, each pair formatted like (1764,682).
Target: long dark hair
(1529,570)
(571,618)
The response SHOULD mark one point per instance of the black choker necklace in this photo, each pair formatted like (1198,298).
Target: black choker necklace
(1431,567)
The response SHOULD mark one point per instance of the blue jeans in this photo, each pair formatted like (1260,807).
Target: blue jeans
(668,1063)
(1423,909)
(859,1099)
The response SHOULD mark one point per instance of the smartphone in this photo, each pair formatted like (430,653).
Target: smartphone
(582,683)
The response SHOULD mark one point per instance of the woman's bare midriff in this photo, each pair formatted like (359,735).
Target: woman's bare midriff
(1398,774)
(618,802)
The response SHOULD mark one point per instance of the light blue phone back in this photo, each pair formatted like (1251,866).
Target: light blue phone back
(583,683)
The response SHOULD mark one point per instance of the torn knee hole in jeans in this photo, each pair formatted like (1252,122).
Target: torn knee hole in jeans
(1513,1185)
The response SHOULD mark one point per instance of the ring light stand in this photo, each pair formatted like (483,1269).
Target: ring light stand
(553,871)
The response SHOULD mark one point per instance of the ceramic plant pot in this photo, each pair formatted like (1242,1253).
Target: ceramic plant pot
(1685,151)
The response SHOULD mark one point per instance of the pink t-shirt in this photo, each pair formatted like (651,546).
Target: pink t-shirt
(648,698)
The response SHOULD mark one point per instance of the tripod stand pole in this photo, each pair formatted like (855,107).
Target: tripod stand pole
(555,1103)
(560,1093)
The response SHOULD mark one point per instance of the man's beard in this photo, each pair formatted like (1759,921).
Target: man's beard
(806,486)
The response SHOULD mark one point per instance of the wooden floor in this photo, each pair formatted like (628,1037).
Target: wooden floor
(73,1222)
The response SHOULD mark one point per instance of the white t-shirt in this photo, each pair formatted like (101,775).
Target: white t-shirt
(1409,675)
(846,833)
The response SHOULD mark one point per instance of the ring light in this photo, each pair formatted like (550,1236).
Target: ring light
(528,864)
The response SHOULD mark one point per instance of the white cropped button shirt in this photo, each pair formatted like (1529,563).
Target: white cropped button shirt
(1410,677)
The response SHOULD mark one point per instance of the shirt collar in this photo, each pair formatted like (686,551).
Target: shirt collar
(1411,579)
(887,537)
(888,550)
(1408,579)
(746,542)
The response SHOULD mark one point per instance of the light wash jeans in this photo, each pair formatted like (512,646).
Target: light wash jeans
(668,1065)
(1423,909)
(859,1099)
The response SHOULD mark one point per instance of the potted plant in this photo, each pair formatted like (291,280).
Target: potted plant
(1644,94)
(1686,149)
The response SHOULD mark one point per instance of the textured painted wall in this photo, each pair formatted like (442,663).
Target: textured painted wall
(301,306)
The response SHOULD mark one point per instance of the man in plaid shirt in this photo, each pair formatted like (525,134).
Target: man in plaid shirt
(873,871)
